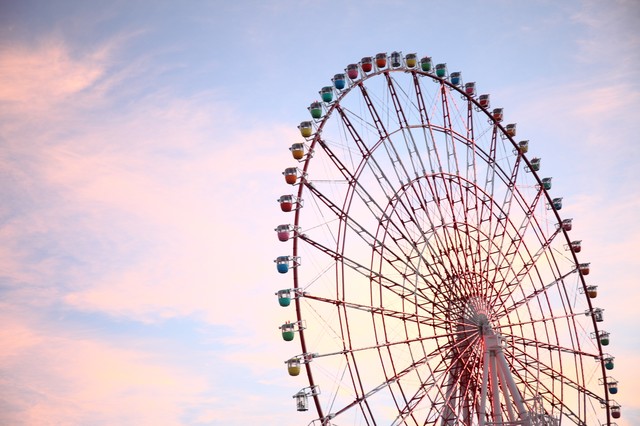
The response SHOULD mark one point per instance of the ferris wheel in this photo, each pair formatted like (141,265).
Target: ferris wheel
(431,277)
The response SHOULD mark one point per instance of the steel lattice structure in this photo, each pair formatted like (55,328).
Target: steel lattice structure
(434,280)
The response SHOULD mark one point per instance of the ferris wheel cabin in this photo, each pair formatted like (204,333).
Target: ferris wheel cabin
(293,366)
(608,361)
(411,60)
(366,64)
(483,100)
(306,129)
(326,93)
(426,63)
(456,78)
(315,109)
(615,410)
(297,151)
(396,59)
(470,88)
(381,60)
(289,203)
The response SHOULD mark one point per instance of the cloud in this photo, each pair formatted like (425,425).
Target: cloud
(147,212)
(146,215)
(185,222)
(140,214)
(156,208)
(56,372)
(53,74)
(628,377)
(66,379)
(610,33)
(47,74)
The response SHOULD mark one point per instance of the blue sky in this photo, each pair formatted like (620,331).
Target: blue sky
(142,150)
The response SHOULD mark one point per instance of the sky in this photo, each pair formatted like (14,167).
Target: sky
(141,150)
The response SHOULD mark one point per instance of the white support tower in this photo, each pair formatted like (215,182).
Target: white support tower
(500,390)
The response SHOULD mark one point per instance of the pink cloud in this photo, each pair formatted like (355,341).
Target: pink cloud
(156,187)
(172,189)
(49,75)
(46,74)
(54,376)
(143,215)
(60,379)
(195,221)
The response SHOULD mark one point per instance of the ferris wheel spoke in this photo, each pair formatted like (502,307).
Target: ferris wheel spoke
(343,215)
(489,183)
(452,155)
(506,310)
(395,379)
(437,388)
(368,158)
(355,350)
(490,210)
(524,341)
(355,136)
(534,366)
(516,239)
(355,187)
(510,245)
(413,257)
(473,238)
(385,384)
(471,170)
(433,321)
(342,168)
(429,387)
(410,143)
(352,264)
(467,256)
(398,287)
(448,243)
(467,363)
(518,248)
(353,368)
(471,175)
(401,172)
(500,229)
(432,155)
(402,235)
(534,321)
(477,205)
(503,242)
(445,205)
(384,279)
(375,116)
(539,328)
(436,273)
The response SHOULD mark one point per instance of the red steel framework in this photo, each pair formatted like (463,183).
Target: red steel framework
(431,221)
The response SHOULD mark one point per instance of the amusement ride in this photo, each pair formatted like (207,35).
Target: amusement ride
(433,280)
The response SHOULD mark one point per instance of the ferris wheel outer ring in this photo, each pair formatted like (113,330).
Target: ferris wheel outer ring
(315,140)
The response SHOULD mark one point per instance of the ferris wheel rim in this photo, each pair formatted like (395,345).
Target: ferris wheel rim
(317,141)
